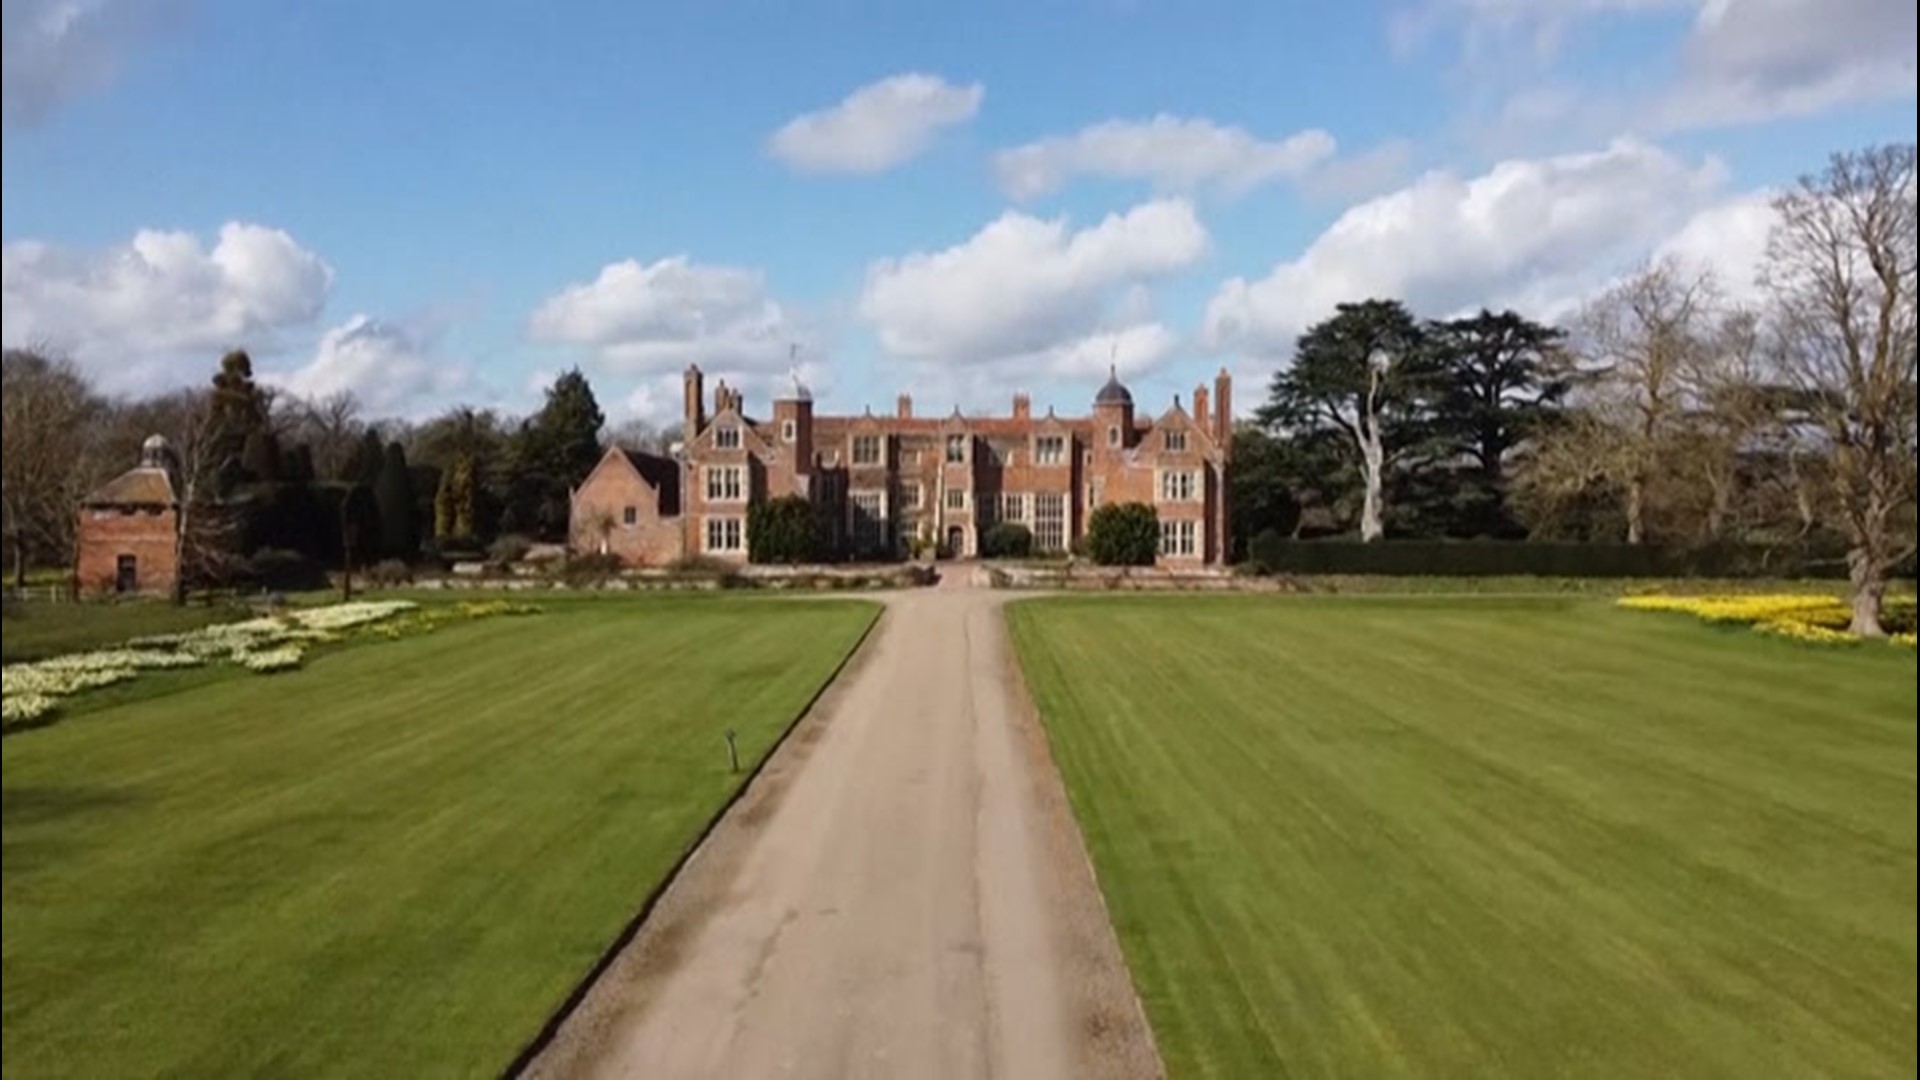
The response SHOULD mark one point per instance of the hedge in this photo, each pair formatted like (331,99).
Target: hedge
(1492,558)
(782,530)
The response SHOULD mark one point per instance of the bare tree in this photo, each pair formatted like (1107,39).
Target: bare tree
(1642,338)
(49,418)
(330,426)
(1841,273)
(637,434)
(204,531)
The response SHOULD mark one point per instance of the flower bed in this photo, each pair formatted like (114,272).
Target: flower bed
(264,645)
(1817,620)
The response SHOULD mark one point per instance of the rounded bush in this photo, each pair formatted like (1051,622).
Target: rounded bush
(1007,540)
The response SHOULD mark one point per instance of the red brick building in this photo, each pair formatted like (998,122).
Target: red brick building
(124,539)
(880,481)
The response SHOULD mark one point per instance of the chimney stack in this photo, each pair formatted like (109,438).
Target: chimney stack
(1022,406)
(693,404)
(1200,409)
(903,408)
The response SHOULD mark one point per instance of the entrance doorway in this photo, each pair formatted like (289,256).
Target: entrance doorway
(956,542)
(126,575)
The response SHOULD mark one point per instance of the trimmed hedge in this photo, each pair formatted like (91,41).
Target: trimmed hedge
(783,530)
(1493,558)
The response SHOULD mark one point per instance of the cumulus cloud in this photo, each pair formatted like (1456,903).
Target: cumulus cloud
(1173,153)
(160,295)
(1728,240)
(52,51)
(1754,60)
(390,368)
(650,317)
(1739,61)
(1535,234)
(876,127)
(1030,289)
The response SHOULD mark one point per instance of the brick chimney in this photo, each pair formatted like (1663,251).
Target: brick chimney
(903,407)
(693,407)
(1200,409)
(1022,406)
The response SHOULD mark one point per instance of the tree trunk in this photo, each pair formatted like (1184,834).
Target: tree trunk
(1636,510)
(19,569)
(180,555)
(1372,465)
(1869,580)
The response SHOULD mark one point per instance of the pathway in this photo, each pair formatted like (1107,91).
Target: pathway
(902,893)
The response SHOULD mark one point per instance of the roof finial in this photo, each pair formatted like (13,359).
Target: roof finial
(1113,359)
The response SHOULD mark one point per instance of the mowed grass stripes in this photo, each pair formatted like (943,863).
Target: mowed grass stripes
(1490,838)
(395,862)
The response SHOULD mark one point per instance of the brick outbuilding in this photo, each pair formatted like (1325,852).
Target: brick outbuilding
(125,537)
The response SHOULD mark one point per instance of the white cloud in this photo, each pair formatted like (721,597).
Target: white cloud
(1748,61)
(127,309)
(1173,153)
(1534,234)
(52,51)
(1729,240)
(1738,62)
(389,368)
(1024,288)
(651,317)
(877,126)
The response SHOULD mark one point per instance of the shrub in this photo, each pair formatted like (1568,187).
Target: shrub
(1007,540)
(782,530)
(390,572)
(283,571)
(700,564)
(1123,534)
(509,549)
(591,569)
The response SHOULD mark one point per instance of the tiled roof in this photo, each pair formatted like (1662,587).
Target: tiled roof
(662,473)
(135,487)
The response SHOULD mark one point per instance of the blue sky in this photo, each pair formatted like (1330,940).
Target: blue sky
(427,203)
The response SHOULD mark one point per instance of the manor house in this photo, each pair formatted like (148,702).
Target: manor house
(880,482)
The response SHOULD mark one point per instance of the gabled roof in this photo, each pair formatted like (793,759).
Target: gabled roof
(663,474)
(143,486)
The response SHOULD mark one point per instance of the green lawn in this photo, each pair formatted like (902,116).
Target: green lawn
(37,629)
(1368,837)
(394,862)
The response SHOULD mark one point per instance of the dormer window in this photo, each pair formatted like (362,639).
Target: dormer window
(1113,435)
(726,438)
(1176,441)
(788,431)
(956,449)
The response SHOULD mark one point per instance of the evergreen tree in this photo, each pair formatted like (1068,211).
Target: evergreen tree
(297,465)
(260,456)
(393,495)
(364,464)
(1361,377)
(1500,378)
(553,451)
